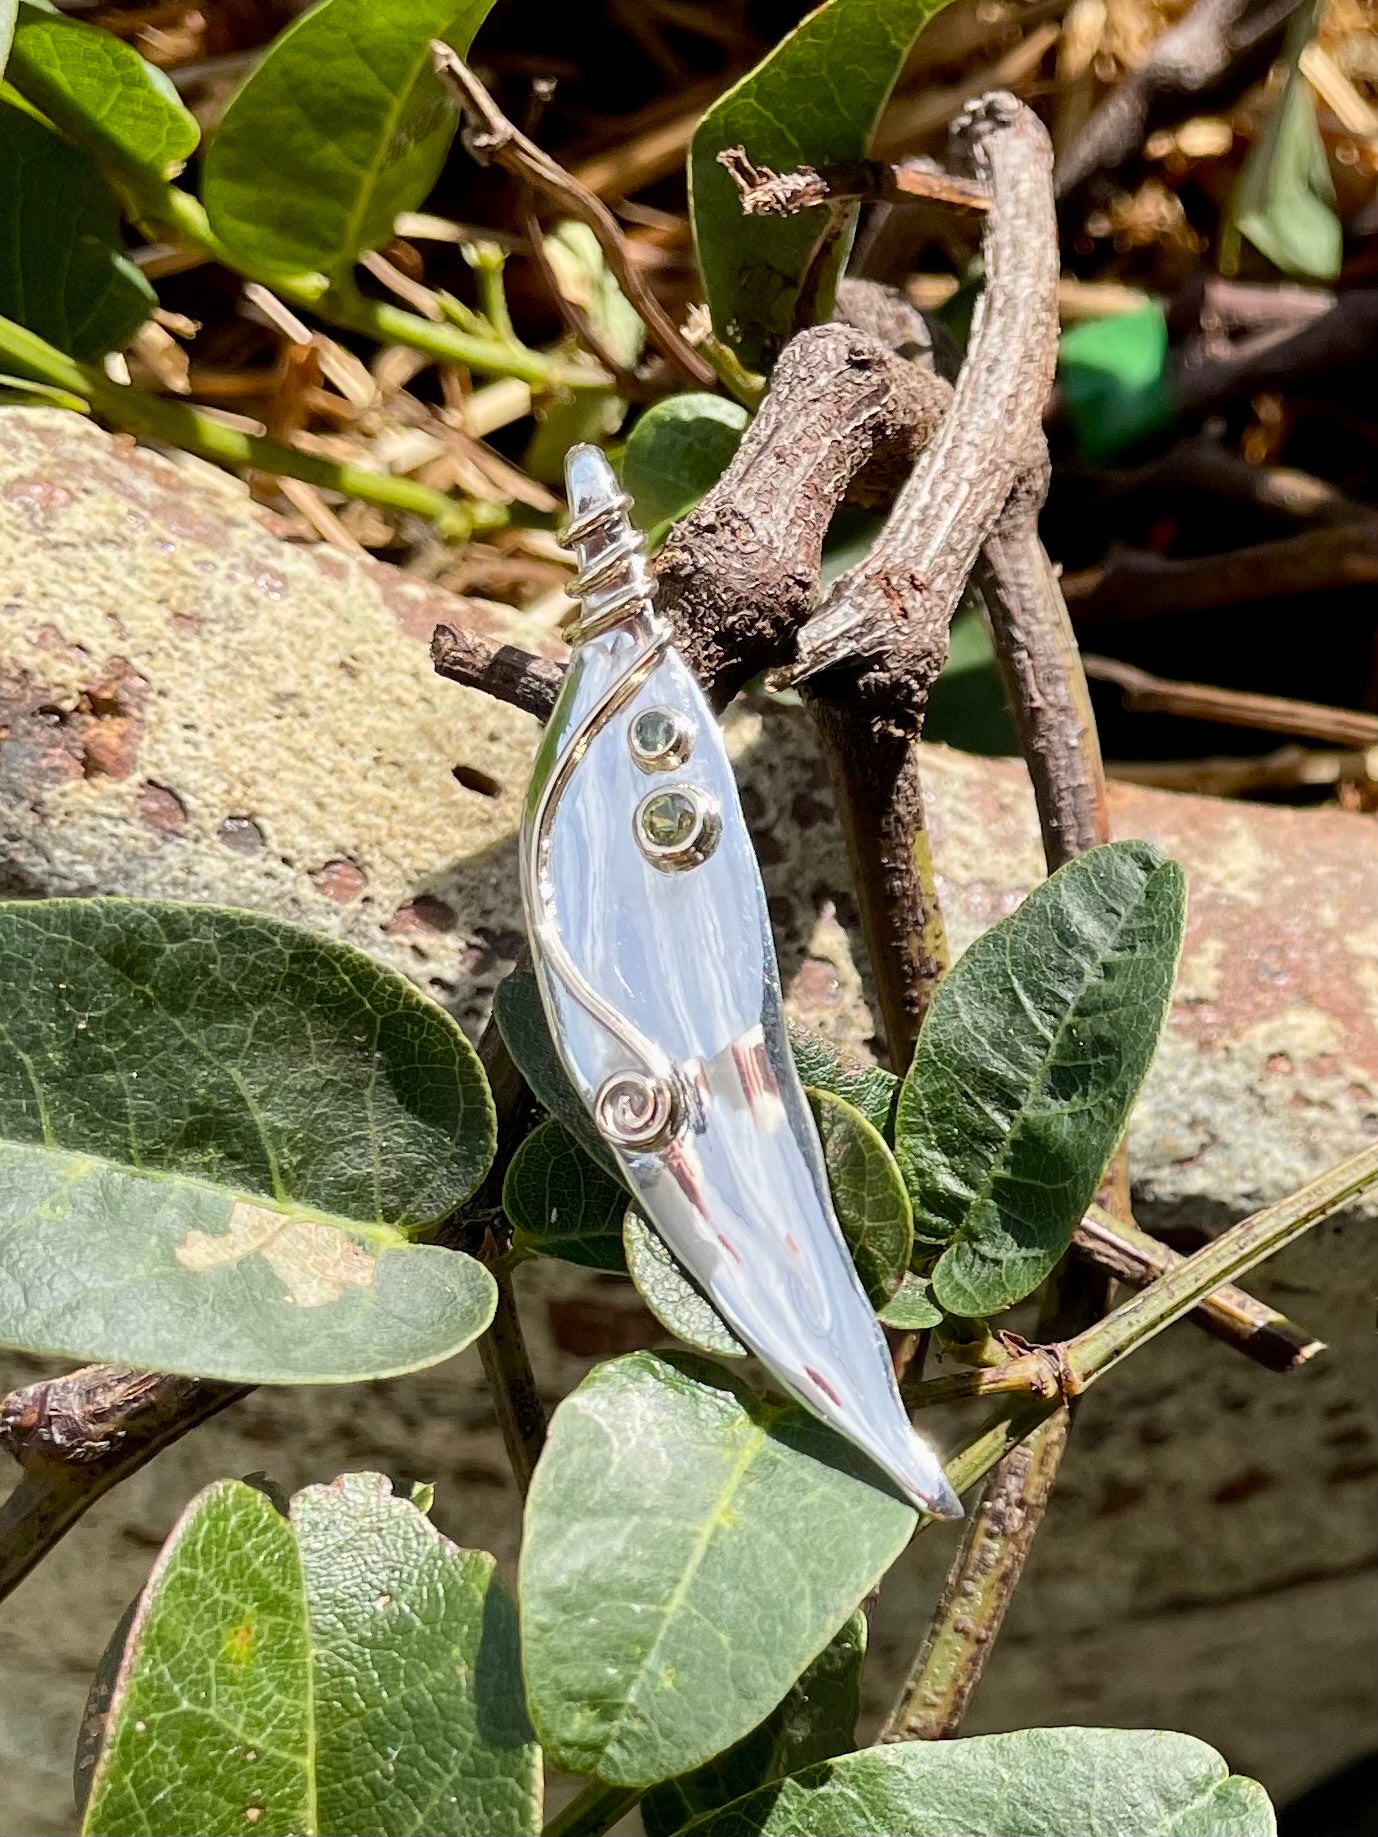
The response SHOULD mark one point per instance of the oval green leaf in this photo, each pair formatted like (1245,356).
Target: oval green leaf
(825,1067)
(217,1132)
(868,1194)
(671,1296)
(1027,1067)
(911,1308)
(8,10)
(814,101)
(102,95)
(677,451)
(816,1720)
(1035,1783)
(343,124)
(347,1670)
(65,273)
(562,1203)
(690,1548)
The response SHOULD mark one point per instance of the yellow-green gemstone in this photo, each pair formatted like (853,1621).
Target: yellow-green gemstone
(669,819)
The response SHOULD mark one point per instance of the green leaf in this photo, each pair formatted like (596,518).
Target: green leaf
(347,1671)
(1114,378)
(816,1720)
(825,1067)
(690,1548)
(343,124)
(678,451)
(217,1133)
(520,1019)
(868,1194)
(562,1203)
(65,275)
(1284,201)
(671,1296)
(101,94)
(1027,1067)
(911,1308)
(814,101)
(569,417)
(1036,1783)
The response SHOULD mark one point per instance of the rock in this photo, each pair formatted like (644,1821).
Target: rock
(194,709)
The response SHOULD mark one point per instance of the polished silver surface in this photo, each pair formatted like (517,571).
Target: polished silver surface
(663,997)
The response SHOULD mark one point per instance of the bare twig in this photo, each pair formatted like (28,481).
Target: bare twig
(77,1436)
(1227,1313)
(1213,55)
(503,671)
(765,193)
(1145,693)
(491,136)
(1136,584)
(892,612)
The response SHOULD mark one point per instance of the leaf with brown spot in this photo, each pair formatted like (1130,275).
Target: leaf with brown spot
(218,1135)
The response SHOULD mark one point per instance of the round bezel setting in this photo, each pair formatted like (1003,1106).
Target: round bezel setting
(659,739)
(677,827)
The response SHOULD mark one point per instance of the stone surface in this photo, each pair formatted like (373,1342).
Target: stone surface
(191,708)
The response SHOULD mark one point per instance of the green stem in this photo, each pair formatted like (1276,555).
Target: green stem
(1101,1347)
(180,424)
(176,213)
(593,1811)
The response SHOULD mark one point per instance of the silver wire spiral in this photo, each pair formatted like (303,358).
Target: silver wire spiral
(635,1107)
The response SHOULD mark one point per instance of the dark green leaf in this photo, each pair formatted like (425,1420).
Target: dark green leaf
(671,1296)
(816,1721)
(1284,202)
(342,125)
(1036,1783)
(1114,376)
(868,1194)
(966,706)
(65,273)
(101,94)
(866,1087)
(677,451)
(911,1308)
(1027,1067)
(347,1671)
(814,101)
(520,1019)
(562,1203)
(690,1549)
(216,1133)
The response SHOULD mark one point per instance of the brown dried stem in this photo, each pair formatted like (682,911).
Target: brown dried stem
(490,136)
(77,1436)
(765,193)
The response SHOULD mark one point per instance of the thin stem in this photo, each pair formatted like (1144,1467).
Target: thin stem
(980,1585)
(180,424)
(1102,1346)
(507,1367)
(593,1811)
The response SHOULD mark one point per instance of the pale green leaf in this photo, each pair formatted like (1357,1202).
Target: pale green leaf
(65,273)
(671,1296)
(690,1549)
(101,94)
(677,451)
(217,1135)
(1284,201)
(816,1720)
(1027,1066)
(813,101)
(1037,1783)
(911,1308)
(342,125)
(8,10)
(346,1671)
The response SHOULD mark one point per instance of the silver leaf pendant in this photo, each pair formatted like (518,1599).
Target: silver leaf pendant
(653,952)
